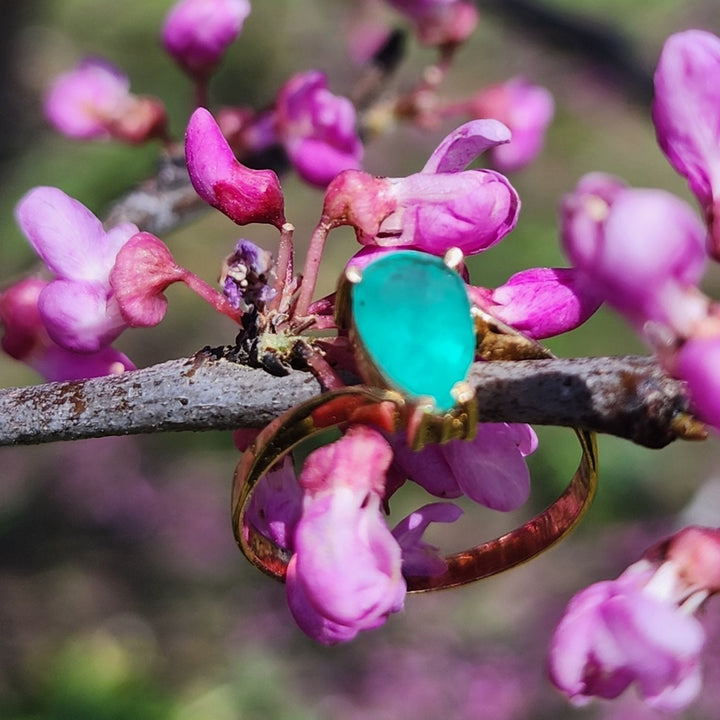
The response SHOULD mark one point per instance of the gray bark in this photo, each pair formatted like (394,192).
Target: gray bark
(625,396)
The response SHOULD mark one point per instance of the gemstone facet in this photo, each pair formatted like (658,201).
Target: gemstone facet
(411,315)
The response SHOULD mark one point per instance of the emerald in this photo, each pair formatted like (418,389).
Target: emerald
(412,317)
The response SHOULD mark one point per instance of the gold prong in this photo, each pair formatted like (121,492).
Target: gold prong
(453,258)
(463,392)
(353,274)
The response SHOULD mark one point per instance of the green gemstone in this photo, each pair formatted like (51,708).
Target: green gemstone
(412,315)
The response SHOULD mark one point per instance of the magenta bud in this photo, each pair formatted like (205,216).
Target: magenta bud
(543,302)
(197,32)
(686,113)
(317,128)
(638,248)
(439,22)
(243,194)
(697,364)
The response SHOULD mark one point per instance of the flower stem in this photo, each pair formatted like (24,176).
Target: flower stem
(211,295)
(312,266)
(284,270)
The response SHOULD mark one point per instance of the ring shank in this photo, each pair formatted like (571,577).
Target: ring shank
(386,409)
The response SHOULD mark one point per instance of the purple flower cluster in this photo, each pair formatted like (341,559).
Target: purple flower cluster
(645,250)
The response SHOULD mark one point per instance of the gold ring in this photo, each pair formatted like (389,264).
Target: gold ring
(388,410)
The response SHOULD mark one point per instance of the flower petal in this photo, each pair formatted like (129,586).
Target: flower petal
(67,236)
(491,469)
(465,143)
(78,315)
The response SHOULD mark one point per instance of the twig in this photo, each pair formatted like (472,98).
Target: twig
(625,396)
(584,36)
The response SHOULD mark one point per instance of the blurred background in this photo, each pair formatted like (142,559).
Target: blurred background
(122,594)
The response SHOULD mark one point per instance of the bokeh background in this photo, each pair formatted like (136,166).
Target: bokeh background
(122,594)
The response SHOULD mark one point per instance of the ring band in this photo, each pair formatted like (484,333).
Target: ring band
(388,410)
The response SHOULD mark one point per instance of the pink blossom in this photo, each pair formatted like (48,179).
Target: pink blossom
(442,206)
(78,307)
(144,268)
(697,364)
(440,22)
(639,629)
(93,101)
(276,504)
(541,302)
(526,109)
(317,129)
(686,113)
(490,469)
(244,195)
(345,575)
(418,556)
(26,339)
(641,249)
(198,32)
(80,101)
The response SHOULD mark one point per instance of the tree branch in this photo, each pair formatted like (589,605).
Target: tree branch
(588,37)
(625,396)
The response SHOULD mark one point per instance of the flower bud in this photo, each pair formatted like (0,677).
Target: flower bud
(697,363)
(317,129)
(434,210)
(94,102)
(440,22)
(345,575)
(26,339)
(638,248)
(244,195)
(197,32)
(541,302)
(686,114)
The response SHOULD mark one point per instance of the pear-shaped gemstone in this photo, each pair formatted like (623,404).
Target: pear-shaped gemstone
(412,317)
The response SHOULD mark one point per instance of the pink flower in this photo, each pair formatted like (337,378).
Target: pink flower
(93,101)
(526,109)
(345,575)
(641,249)
(697,363)
(26,339)
(80,102)
(439,22)
(419,557)
(639,628)
(686,113)
(442,206)
(541,302)
(78,307)
(244,195)
(198,32)
(317,129)
(490,469)
(276,504)
(144,268)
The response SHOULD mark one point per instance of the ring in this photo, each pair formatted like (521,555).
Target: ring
(431,409)
(387,409)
